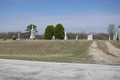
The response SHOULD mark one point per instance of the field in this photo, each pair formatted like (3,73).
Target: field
(45,50)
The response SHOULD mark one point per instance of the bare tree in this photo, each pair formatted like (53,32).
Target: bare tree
(82,35)
(111,30)
(71,35)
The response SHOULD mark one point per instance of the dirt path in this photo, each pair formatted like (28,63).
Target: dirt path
(111,56)
(112,49)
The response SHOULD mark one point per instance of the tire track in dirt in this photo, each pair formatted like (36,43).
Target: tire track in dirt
(102,46)
(112,49)
(101,57)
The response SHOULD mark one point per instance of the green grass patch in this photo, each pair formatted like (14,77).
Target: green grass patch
(115,43)
(45,50)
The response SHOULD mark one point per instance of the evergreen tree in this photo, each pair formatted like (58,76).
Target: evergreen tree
(49,32)
(59,31)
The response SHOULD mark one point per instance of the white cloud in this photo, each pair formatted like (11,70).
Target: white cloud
(72,23)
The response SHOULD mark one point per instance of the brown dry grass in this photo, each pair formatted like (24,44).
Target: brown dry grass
(101,45)
(45,50)
(115,43)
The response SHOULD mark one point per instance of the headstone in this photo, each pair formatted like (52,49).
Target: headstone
(90,37)
(65,37)
(115,36)
(119,33)
(53,37)
(32,37)
(13,38)
(76,37)
(4,39)
(109,38)
(18,36)
(21,36)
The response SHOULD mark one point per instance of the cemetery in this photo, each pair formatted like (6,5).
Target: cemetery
(60,40)
(54,49)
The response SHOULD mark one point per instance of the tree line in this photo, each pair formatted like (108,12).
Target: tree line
(58,32)
(9,35)
(81,35)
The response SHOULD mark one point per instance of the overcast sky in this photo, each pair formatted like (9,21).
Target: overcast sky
(74,15)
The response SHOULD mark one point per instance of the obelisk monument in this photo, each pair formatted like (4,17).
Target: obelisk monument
(65,37)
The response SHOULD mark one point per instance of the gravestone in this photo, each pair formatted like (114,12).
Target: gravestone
(18,36)
(115,36)
(53,37)
(13,38)
(109,38)
(65,37)
(90,37)
(76,37)
(4,39)
(119,33)
(21,36)
(32,37)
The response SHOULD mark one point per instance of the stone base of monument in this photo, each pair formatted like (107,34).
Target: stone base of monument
(21,39)
(32,38)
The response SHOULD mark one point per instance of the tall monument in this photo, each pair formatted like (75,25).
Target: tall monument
(65,37)
(32,37)
(76,37)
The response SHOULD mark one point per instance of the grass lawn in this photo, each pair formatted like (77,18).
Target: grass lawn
(45,50)
(115,43)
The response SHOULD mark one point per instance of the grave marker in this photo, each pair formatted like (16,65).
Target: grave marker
(32,37)
(90,37)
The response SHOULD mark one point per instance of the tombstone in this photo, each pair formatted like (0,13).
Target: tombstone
(32,37)
(21,36)
(109,38)
(4,39)
(13,38)
(90,37)
(53,37)
(76,37)
(18,36)
(114,36)
(39,38)
(65,37)
(119,33)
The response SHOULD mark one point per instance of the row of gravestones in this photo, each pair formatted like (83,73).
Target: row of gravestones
(89,37)
(21,36)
